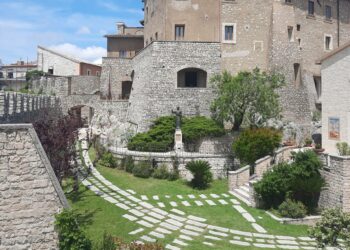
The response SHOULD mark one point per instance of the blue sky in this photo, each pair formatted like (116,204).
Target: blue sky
(75,27)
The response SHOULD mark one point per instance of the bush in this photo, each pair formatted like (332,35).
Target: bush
(292,209)
(161,173)
(300,180)
(108,160)
(343,148)
(70,235)
(142,170)
(129,164)
(160,137)
(107,243)
(333,227)
(253,144)
(201,174)
(174,175)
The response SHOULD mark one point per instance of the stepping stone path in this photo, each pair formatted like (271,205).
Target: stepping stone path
(157,223)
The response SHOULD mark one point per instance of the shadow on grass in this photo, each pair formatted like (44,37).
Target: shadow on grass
(79,195)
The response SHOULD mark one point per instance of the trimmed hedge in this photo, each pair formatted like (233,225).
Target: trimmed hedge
(253,144)
(143,170)
(160,137)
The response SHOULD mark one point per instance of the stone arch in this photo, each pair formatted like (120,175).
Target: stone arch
(192,77)
(83,112)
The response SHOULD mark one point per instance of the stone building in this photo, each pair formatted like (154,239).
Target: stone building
(335,97)
(55,63)
(186,42)
(14,75)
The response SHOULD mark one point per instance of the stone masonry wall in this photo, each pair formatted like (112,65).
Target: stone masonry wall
(337,175)
(24,108)
(30,194)
(155,92)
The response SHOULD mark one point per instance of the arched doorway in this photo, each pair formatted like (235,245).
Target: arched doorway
(84,113)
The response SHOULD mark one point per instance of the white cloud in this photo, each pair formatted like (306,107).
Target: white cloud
(90,54)
(84,30)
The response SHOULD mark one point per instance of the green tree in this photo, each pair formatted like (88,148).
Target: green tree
(333,227)
(200,170)
(249,97)
(30,75)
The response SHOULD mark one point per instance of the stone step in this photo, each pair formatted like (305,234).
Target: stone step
(242,193)
(245,188)
(238,196)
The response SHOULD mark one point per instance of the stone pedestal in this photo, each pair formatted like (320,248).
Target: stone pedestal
(179,146)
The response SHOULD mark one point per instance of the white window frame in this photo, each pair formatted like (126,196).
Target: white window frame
(331,43)
(234,41)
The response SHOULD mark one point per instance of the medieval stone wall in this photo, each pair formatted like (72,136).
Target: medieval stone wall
(155,92)
(25,108)
(30,193)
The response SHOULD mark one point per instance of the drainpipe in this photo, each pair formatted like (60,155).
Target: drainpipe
(338,21)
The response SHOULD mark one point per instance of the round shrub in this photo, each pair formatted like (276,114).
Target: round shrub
(108,160)
(202,176)
(173,175)
(253,144)
(142,170)
(292,209)
(161,173)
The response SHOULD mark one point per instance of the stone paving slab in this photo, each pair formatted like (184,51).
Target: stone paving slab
(249,218)
(196,223)
(137,231)
(188,232)
(186,203)
(157,235)
(218,233)
(144,197)
(264,245)
(147,238)
(136,212)
(150,219)
(287,247)
(221,229)
(156,197)
(160,211)
(171,247)
(180,242)
(174,210)
(194,228)
(185,237)
(144,223)
(174,222)
(223,202)
(169,226)
(191,196)
(129,217)
(199,203)
(180,197)
(215,196)
(199,219)
(239,243)
(210,202)
(177,218)
(161,204)
(212,238)
(156,215)
(203,196)
(162,230)
(208,243)
(173,203)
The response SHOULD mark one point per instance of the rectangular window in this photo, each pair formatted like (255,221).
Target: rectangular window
(191,79)
(290,33)
(311,8)
(229,32)
(122,54)
(328,12)
(179,32)
(89,72)
(10,75)
(328,43)
(288,1)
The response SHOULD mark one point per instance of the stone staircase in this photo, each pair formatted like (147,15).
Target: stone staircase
(242,193)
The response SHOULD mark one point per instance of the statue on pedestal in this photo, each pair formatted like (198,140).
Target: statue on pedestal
(178,134)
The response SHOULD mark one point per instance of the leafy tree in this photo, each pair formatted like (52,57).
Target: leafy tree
(333,227)
(68,225)
(201,173)
(253,144)
(249,97)
(30,75)
(58,138)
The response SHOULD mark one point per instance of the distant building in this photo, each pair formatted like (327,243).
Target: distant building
(335,97)
(54,63)
(16,71)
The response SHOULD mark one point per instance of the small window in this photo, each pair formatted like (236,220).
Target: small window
(97,73)
(290,33)
(229,33)
(126,90)
(88,72)
(1,75)
(297,75)
(122,54)
(328,12)
(10,75)
(318,86)
(298,27)
(156,36)
(50,71)
(328,44)
(179,32)
(311,8)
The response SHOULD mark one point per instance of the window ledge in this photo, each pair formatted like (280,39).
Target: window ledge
(194,88)
(311,16)
(229,42)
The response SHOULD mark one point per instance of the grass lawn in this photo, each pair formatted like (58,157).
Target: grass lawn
(107,217)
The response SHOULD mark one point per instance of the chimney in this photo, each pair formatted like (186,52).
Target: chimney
(120,28)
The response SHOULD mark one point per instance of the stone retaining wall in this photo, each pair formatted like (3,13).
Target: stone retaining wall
(242,176)
(30,194)
(25,108)
(219,163)
(336,172)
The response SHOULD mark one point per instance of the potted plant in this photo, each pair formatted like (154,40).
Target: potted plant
(318,148)
(308,142)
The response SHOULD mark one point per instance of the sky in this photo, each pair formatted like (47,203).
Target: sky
(73,27)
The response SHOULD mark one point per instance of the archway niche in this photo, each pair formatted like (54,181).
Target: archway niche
(192,78)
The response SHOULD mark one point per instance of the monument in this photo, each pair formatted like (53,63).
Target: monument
(178,145)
